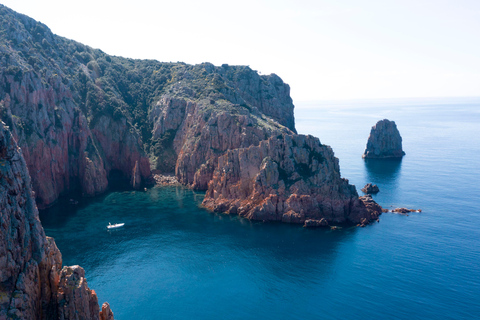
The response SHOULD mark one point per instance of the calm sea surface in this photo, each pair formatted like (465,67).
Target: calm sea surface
(174,260)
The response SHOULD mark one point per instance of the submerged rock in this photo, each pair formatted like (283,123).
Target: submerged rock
(370,188)
(384,141)
(405,211)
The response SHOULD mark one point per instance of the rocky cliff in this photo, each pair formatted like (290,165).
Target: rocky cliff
(33,284)
(384,141)
(81,114)
(289,178)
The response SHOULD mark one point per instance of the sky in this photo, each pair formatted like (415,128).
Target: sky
(325,50)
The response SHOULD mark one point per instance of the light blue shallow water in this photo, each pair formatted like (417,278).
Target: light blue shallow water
(174,260)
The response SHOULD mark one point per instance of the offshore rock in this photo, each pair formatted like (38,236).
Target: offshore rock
(289,178)
(370,188)
(32,285)
(384,141)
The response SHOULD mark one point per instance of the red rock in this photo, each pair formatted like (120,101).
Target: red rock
(106,313)
(290,178)
(33,284)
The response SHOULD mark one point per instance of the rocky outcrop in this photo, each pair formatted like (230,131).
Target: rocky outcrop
(106,313)
(33,284)
(204,130)
(384,141)
(289,178)
(370,188)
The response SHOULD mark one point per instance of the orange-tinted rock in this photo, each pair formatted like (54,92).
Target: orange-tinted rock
(32,283)
(290,178)
(75,300)
(106,313)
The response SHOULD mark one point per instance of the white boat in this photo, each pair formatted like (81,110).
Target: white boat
(116,225)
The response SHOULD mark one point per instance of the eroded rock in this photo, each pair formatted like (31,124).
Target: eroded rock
(384,141)
(370,188)
(32,283)
(289,178)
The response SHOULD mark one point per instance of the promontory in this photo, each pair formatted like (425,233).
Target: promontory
(74,117)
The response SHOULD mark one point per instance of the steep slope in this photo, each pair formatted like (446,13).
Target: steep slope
(33,284)
(81,114)
(289,178)
(384,141)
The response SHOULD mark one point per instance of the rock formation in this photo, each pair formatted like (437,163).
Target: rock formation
(289,178)
(33,284)
(371,188)
(47,95)
(80,114)
(384,141)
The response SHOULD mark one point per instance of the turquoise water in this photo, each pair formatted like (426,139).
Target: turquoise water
(174,260)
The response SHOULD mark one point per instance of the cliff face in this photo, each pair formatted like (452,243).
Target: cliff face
(384,141)
(66,147)
(81,114)
(33,284)
(289,178)
(204,130)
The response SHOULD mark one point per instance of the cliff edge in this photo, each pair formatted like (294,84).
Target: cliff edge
(288,178)
(33,284)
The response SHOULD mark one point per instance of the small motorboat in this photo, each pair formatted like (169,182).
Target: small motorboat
(114,226)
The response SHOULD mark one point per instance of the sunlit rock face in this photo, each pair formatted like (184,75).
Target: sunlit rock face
(81,115)
(289,178)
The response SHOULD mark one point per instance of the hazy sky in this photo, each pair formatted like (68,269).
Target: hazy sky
(344,49)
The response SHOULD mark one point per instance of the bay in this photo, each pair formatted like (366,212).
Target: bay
(175,260)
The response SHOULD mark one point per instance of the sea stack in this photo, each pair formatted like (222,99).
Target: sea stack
(384,141)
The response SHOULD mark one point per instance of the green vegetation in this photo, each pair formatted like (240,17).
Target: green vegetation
(121,88)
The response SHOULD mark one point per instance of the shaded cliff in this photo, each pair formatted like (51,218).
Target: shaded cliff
(33,284)
(384,141)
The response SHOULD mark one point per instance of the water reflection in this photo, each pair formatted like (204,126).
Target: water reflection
(383,170)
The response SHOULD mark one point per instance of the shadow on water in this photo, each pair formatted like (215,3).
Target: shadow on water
(382,170)
(167,224)
(67,206)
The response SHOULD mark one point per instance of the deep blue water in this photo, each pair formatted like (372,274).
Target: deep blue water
(174,260)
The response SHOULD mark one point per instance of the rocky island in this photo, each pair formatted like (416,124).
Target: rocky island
(384,141)
(81,117)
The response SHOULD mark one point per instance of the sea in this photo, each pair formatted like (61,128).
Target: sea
(175,260)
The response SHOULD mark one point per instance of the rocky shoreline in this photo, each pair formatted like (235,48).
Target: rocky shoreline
(76,117)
